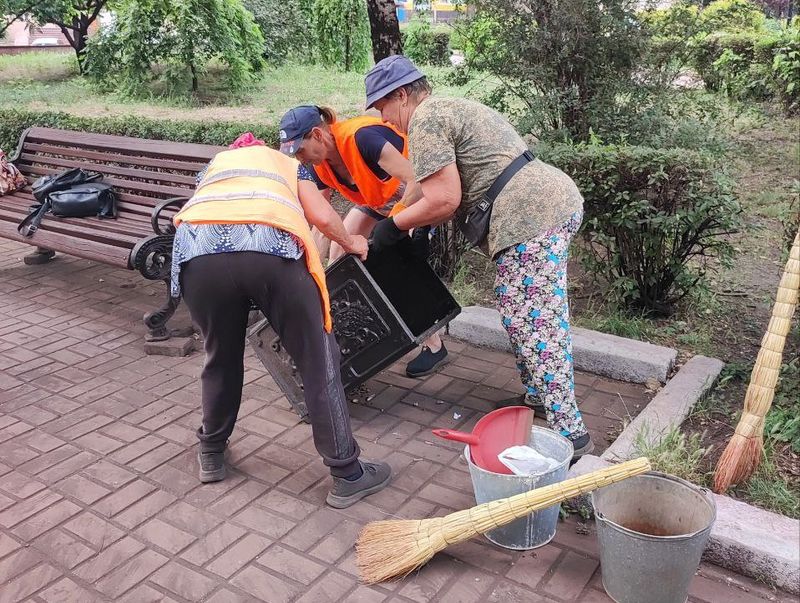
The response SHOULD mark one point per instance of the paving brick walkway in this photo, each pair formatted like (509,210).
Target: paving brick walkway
(98,495)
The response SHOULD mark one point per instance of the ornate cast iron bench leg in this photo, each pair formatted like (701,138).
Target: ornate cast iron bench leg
(39,256)
(152,257)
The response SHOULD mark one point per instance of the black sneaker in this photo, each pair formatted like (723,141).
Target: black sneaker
(212,466)
(426,362)
(583,445)
(522,400)
(375,478)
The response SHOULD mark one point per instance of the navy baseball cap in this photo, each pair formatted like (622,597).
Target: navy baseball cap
(388,75)
(295,124)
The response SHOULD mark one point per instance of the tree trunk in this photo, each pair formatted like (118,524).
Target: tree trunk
(384,29)
(194,77)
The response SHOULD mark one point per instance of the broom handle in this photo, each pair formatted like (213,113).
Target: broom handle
(766,370)
(482,516)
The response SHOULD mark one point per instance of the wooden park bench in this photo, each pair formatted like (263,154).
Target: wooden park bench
(152,179)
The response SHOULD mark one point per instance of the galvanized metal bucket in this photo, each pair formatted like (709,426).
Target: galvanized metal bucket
(652,531)
(536,529)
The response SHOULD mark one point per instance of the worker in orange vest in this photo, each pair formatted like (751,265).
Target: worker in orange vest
(244,236)
(366,161)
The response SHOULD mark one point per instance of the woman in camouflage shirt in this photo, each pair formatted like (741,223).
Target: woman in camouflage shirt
(458,148)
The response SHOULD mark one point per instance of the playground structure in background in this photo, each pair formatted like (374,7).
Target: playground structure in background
(441,12)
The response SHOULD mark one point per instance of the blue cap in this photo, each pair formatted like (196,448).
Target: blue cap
(295,124)
(388,75)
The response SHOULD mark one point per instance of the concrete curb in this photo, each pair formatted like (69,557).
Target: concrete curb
(744,539)
(668,408)
(598,353)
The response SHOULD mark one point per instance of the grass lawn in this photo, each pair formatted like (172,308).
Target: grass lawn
(48,81)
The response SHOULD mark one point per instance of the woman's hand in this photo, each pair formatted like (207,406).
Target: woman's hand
(357,245)
(442,196)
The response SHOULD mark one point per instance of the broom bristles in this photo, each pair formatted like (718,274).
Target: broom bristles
(743,453)
(395,548)
(392,551)
(739,461)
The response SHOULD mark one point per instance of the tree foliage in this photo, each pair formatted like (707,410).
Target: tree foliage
(73,17)
(342,33)
(175,40)
(558,57)
(12,11)
(286,26)
(732,15)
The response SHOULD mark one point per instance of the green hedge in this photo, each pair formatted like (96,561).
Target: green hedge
(426,45)
(13,122)
(654,217)
(751,65)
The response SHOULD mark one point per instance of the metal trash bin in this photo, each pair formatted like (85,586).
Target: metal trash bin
(381,309)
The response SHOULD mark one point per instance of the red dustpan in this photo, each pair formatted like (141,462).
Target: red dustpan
(500,429)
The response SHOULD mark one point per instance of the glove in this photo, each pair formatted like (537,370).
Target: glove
(385,234)
(421,242)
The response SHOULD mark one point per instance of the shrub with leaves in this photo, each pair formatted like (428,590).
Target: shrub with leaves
(286,27)
(425,45)
(786,69)
(732,15)
(654,219)
(342,34)
(174,41)
(709,49)
(558,57)
(669,29)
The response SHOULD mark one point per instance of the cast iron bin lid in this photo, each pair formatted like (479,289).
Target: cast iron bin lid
(384,307)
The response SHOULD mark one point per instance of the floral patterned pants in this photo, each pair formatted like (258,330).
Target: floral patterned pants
(531,291)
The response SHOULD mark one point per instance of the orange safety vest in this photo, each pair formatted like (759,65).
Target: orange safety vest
(372,191)
(256,185)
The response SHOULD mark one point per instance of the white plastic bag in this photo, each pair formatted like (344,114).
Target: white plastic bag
(524,460)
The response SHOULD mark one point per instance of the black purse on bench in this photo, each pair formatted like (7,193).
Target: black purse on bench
(71,194)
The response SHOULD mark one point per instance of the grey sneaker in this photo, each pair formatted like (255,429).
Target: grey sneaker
(583,445)
(212,466)
(345,493)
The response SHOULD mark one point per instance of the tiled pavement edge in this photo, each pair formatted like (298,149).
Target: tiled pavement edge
(99,499)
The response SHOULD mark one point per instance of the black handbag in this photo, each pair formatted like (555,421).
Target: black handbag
(57,182)
(475,226)
(84,200)
(78,201)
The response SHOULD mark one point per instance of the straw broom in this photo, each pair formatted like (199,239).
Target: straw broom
(743,453)
(395,548)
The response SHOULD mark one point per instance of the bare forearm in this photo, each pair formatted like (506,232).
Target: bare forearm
(330,225)
(423,213)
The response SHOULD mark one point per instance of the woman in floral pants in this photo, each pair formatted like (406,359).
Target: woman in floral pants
(459,150)
(531,291)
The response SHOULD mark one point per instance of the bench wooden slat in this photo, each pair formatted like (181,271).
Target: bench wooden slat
(164,191)
(124,145)
(27,159)
(122,224)
(185,166)
(82,248)
(143,174)
(135,204)
(68,226)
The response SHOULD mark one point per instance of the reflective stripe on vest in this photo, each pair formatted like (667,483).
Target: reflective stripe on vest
(257,185)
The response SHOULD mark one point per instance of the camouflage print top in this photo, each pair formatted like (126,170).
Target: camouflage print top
(482,143)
